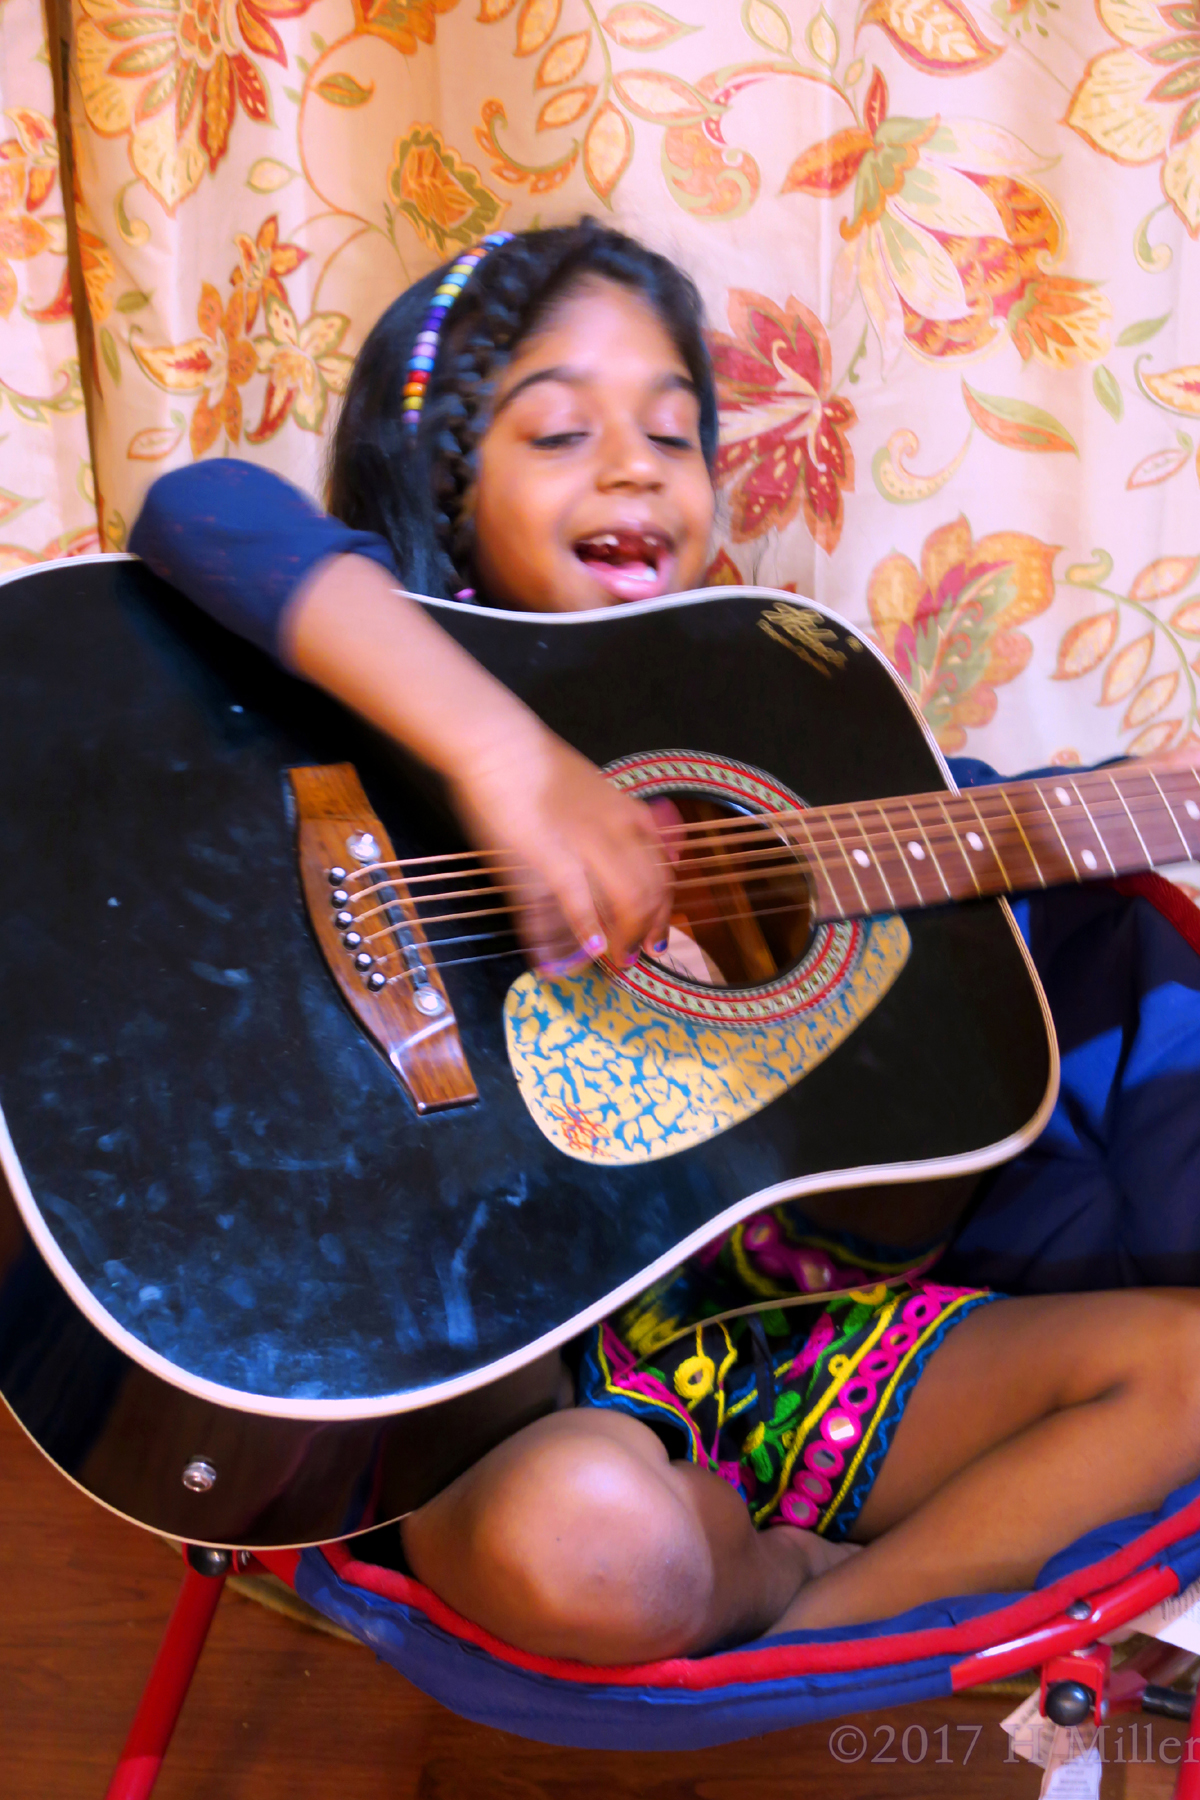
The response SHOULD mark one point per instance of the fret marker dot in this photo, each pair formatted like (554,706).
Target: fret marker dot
(975,841)
(916,852)
(1062,796)
(862,859)
(1089,861)
(1191,809)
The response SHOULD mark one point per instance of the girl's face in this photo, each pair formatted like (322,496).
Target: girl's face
(592,486)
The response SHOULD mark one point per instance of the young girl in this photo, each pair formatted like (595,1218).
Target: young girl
(535,427)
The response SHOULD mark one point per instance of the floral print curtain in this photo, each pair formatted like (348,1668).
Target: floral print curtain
(47,499)
(948,249)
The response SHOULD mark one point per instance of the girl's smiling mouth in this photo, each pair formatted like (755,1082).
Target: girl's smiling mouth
(631,562)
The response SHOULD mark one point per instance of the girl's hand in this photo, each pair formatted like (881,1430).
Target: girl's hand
(585,865)
(595,871)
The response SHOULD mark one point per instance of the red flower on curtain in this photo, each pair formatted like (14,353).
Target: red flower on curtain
(784,446)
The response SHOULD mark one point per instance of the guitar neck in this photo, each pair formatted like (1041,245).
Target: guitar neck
(928,849)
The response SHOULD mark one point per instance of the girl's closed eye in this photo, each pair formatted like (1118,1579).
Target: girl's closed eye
(674,422)
(559,440)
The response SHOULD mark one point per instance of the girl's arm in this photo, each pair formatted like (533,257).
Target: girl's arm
(255,553)
(597,871)
(239,540)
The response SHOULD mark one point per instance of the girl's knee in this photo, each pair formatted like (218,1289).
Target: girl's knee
(605,1559)
(1172,1359)
(578,1544)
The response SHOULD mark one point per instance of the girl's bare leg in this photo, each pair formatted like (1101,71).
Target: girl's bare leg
(1036,1420)
(579,1538)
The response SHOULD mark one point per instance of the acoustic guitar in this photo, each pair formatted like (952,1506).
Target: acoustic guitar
(309,1174)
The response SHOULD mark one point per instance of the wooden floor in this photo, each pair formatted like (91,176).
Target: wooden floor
(280,1710)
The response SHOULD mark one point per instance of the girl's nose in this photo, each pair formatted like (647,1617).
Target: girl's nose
(626,457)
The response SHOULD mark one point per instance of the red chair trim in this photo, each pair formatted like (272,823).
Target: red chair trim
(778,1661)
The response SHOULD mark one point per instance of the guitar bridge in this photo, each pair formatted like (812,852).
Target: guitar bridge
(371,937)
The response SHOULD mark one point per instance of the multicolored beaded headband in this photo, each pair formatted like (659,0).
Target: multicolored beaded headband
(424,350)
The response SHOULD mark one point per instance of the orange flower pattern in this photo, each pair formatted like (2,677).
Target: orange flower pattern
(47,503)
(442,197)
(949,627)
(171,76)
(950,242)
(1141,103)
(263,263)
(303,367)
(215,365)
(1142,644)
(405,24)
(28,172)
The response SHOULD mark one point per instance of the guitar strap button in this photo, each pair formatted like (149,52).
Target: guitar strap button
(199,1476)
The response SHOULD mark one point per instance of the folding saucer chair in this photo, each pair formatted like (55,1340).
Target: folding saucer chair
(1100,1583)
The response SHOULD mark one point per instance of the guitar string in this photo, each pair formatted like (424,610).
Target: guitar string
(434,942)
(911,802)
(458,962)
(778,858)
(886,905)
(757,827)
(694,920)
(1026,787)
(494,911)
(712,877)
(755,865)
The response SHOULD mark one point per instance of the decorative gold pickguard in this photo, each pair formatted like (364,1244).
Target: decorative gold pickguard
(611,1079)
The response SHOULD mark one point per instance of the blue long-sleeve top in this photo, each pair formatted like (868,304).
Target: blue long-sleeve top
(239,541)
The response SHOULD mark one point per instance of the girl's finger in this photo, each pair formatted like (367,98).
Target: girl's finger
(547,937)
(572,895)
(665,815)
(632,898)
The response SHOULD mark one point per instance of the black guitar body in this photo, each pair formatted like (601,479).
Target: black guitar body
(231,1240)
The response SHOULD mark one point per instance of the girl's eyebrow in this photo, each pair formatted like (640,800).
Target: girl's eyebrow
(580,378)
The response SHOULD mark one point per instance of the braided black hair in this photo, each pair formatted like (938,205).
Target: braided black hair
(383,477)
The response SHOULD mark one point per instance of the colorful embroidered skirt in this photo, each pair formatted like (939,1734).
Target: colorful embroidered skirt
(795,1406)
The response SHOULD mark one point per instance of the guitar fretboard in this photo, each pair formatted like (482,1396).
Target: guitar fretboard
(892,855)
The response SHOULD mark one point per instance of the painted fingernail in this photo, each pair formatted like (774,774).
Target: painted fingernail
(568,965)
(595,946)
(661,948)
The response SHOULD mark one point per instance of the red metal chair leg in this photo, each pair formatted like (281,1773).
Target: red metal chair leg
(168,1682)
(1187,1785)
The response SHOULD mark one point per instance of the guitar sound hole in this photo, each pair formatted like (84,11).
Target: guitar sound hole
(742,914)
